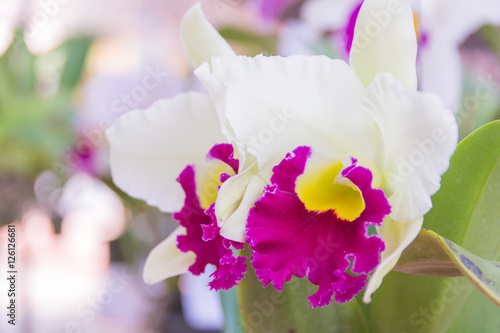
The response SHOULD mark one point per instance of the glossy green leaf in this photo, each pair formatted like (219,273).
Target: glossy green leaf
(433,255)
(483,274)
(426,256)
(466,212)
(466,209)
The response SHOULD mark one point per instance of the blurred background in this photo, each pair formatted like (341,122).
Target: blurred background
(69,68)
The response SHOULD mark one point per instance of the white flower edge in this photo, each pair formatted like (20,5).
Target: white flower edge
(166,260)
(200,38)
(149,148)
(397,236)
(385,42)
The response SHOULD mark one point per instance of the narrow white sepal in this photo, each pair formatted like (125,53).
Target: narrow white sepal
(397,236)
(166,260)
(385,42)
(201,39)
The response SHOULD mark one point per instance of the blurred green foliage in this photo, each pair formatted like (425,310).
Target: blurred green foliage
(36,105)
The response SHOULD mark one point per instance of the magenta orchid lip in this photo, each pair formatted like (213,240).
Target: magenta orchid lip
(285,237)
(288,239)
(202,232)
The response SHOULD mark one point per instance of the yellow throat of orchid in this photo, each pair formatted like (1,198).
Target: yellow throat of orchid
(323,188)
(207,181)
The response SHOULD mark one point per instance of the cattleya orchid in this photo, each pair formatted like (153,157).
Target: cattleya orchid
(304,154)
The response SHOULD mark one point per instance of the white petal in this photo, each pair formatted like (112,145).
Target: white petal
(417,136)
(441,69)
(166,260)
(232,205)
(447,24)
(385,41)
(324,15)
(456,20)
(397,236)
(149,148)
(231,193)
(275,104)
(213,78)
(200,38)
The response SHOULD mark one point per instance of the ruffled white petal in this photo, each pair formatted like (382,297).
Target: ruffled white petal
(397,236)
(149,148)
(417,136)
(275,104)
(200,38)
(166,260)
(385,41)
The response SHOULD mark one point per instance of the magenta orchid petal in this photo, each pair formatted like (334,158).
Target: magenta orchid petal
(362,178)
(224,152)
(352,285)
(287,239)
(231,269)
(210,231)
(193,217)
(224,176)
(203,234)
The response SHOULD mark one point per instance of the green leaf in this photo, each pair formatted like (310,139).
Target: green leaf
(483,274)
(426,256)
(465,211)
(477,306)
(433,255)
(34,132)
(231,309)
(415,303)
(267,310)
(262,309)
(335,318)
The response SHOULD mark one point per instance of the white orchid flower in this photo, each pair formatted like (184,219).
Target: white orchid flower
(369,112)
(340,147)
